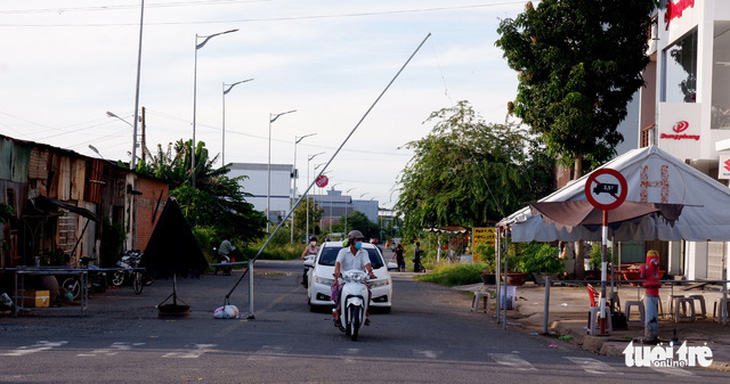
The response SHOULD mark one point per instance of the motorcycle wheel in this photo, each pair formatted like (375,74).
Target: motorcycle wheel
(354,323)
(72,285)
(118,278)
(138,283)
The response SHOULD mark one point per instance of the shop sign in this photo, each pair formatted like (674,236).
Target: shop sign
(482,235)
(678,128)
(675,10)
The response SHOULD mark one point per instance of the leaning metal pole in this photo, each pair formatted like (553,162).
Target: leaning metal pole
(272,234)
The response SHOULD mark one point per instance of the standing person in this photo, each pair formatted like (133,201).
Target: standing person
(417,257)
(350,257)
(399,259)
(311,249)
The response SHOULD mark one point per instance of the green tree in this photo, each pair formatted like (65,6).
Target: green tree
(579,64)
(470,173)
(300,217)
(358,220)
(217,202)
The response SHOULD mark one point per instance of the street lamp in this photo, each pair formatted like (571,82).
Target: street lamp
(331,203)
(195,91)
(294,190)
(223,125)
(347,207)
(272,118)
(309,159)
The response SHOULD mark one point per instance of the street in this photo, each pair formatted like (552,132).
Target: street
(430,337)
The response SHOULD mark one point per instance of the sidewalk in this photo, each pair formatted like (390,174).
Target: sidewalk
(569,316)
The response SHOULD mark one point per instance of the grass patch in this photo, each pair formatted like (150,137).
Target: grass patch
(454,275)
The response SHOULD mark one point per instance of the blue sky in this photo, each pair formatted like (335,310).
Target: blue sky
(65,63)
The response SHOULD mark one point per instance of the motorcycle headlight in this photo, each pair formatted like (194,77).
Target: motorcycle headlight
(379,283)
(323,280)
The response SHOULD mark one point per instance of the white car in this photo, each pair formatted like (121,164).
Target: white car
(321,277)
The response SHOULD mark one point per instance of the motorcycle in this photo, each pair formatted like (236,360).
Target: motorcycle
(354,302)
(222,259)
(308,264)
(129,260)
(96,280)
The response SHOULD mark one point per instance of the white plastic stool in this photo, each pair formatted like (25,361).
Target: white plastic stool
(627,310)
(594,326)
(479,298)
(702,313)
(680,306)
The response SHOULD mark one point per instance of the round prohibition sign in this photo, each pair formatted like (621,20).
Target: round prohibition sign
(606,189)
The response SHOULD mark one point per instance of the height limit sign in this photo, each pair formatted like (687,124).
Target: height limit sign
(606,189)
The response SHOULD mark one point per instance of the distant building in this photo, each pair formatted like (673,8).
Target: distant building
(335,206)
(257,185)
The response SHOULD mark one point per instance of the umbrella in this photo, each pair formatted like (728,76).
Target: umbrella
(172,250)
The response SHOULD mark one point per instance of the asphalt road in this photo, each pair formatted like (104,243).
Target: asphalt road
(430,337)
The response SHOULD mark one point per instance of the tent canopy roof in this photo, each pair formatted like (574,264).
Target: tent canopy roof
(653,176)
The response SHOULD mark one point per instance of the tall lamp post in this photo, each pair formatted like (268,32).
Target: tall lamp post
(347,206)
(195,91)
(223,124)
(309,159)
(133,163)
(272,118)
(294,190)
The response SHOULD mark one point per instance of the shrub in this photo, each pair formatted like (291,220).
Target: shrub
(455,274)
(540,258)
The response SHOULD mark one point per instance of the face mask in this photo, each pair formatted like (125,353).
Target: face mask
(358,245)
(313,243)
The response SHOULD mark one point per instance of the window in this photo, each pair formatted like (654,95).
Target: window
(680,70)
(721,76)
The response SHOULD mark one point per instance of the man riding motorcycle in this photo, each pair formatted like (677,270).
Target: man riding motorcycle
(350,257)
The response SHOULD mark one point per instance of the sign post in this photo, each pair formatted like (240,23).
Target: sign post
(605,189)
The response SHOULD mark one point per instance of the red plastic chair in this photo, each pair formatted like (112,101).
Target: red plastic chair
(593,295)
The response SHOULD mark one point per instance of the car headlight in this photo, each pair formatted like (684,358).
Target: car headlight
(379,283)
(323,280)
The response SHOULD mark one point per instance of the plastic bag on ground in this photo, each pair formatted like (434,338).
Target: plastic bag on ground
(226,312)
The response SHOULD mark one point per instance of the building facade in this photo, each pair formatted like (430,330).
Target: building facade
(685,108)
(256,183)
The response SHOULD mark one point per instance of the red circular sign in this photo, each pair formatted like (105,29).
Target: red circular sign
(606,189)
(322,181)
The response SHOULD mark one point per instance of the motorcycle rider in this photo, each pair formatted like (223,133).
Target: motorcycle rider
(350,257)
(311,249)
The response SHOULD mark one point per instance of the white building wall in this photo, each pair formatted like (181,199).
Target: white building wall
(700,153)
(257,185)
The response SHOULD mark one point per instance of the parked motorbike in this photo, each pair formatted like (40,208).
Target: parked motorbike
(222,259)
(354,302)
(129,260)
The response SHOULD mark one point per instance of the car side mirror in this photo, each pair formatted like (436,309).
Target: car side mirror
(309,263)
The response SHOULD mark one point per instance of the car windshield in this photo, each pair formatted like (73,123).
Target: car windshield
(329,256)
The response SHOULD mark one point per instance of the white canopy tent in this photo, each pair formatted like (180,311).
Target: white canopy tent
(652,176)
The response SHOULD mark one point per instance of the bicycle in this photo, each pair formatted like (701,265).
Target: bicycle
(96,281)
(140,280)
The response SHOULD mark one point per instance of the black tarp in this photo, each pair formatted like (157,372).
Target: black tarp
(172,248)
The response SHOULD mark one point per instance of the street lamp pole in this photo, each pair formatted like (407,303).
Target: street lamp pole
(347,206)
(223,124)
(133,163)
(294,190)
(272,118)
(195,92)
(309,159)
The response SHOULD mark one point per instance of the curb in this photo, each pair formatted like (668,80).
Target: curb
(604,345)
